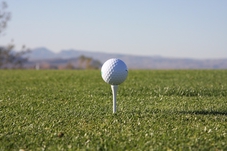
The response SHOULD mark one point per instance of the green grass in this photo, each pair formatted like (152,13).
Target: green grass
(72,110)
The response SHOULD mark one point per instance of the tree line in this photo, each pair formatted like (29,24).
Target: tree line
(8,57)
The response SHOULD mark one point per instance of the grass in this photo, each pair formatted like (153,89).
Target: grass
(72,110)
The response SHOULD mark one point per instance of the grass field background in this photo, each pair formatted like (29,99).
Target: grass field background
(72,110)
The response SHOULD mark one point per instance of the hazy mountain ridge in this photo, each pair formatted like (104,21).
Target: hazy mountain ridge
(132,61)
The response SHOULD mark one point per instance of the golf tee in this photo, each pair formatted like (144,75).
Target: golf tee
(114,92)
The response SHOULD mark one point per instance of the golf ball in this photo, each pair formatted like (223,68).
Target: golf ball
(114,71)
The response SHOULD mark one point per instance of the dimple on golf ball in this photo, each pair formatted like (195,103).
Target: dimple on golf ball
(114,71)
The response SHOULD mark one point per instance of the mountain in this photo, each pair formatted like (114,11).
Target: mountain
(132,61)
(41,53)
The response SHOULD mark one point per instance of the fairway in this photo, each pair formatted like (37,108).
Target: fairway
(72,110)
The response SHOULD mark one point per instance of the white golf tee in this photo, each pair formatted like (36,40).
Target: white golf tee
(114,92)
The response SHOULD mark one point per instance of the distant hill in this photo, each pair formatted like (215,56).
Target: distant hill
(132,61)
(41,53)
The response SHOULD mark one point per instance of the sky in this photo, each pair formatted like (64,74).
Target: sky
(169,28)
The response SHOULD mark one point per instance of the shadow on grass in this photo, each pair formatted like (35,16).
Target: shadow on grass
(157,111)
(204,112)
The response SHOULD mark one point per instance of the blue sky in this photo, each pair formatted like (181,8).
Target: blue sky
(176,28)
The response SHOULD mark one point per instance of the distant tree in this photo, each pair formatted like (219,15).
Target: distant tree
(4,17)
(95,64)
(88,63)
(9,58)
(69,66)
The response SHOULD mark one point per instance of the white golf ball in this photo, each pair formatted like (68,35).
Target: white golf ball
(114,71)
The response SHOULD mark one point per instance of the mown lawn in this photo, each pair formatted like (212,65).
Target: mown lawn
(72,110)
